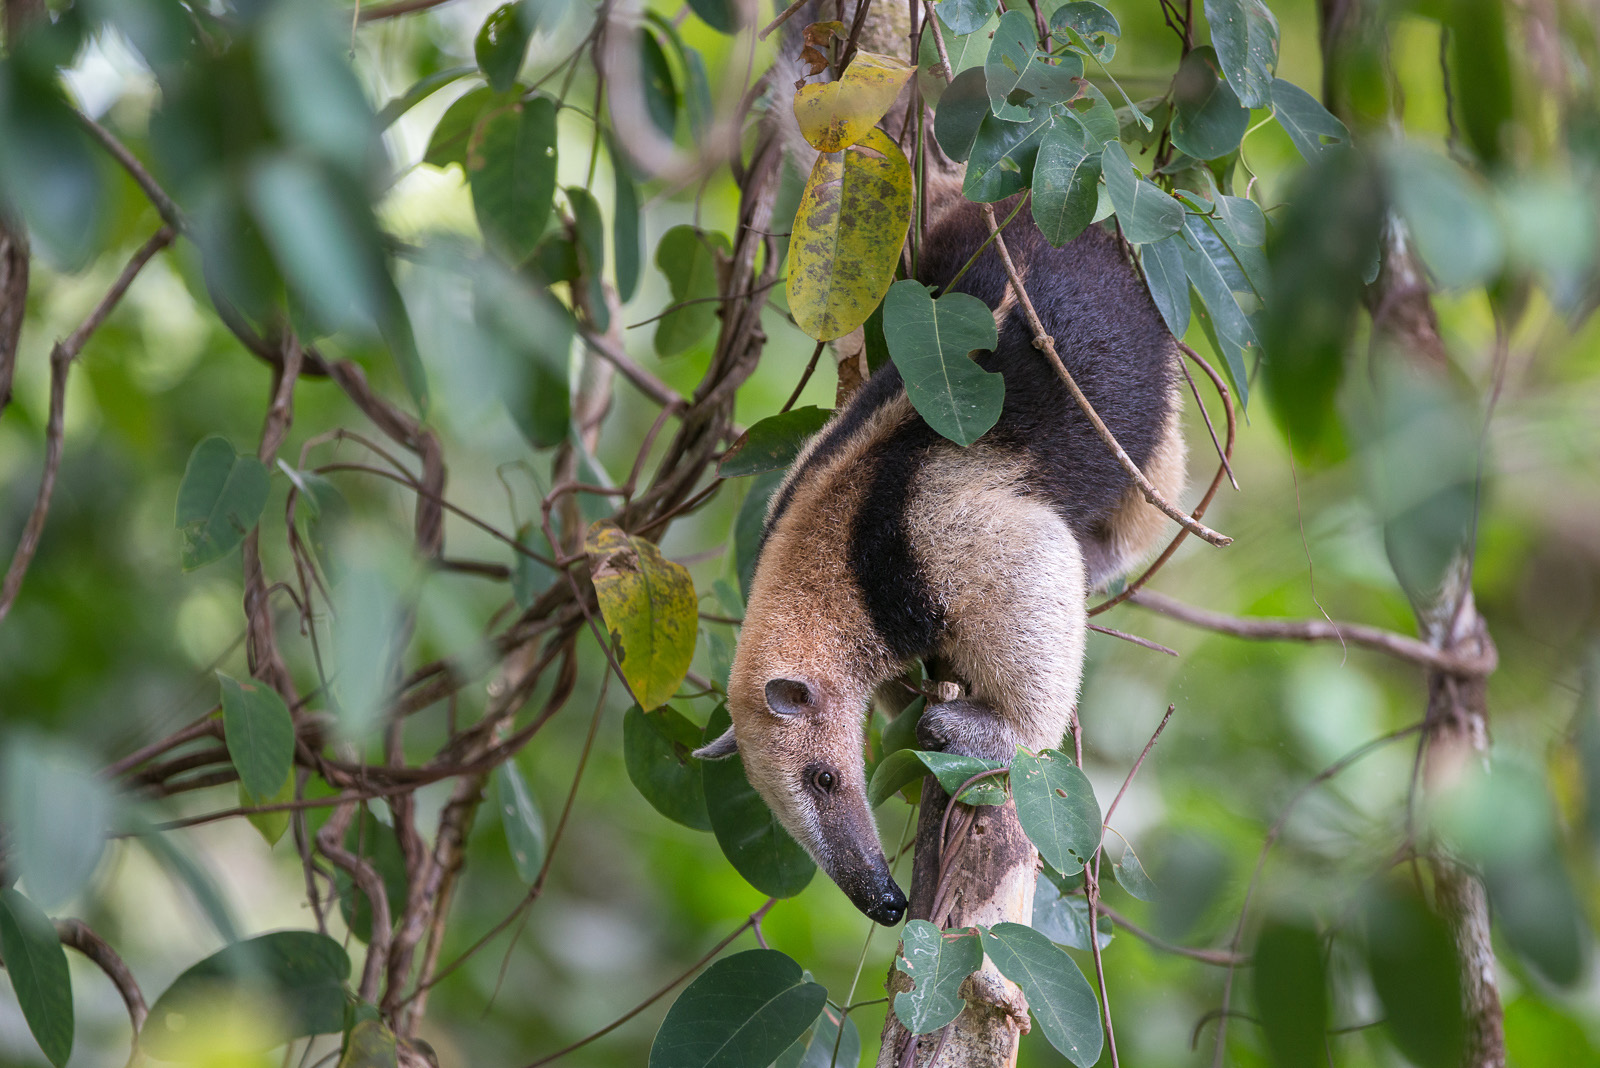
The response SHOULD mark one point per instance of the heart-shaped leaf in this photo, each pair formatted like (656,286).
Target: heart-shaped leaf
(931,342)
(1057,808)
(938,962)
(219,501)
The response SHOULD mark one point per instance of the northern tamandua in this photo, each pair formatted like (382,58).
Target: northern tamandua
(887,543)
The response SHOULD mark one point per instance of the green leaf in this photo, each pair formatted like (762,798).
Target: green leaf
(1327,234)
(824,1046)
(744,1010)
(37,966)
(751,837)
(657,748)
(952,771)
(1062,1001)
(448,144)
(1234,333)
(50,172)
(530,577)
(271,825)
(1144,211)
(965,52)
(1003,155)
(1094,25)
(964,16)
(931,342)
(371,1045)
(419,91)
(660,90)
(1306,121)
(938,962)
(1066,183)
(259,733)
(962,109)
(848,233)
(57,811)
(501,44)
(625,234)
(1291,986)
(300,974)
(519,816)
(1169,285)
(689,258)
(1064,918)
(773,443)
(1480,72)
(511,167)
(1449,214)
(375,841)
(1131,876)
(367,613)
(1246,36)
(219,501)
(1208,121)
(590,238)
(1245,218)
(1057,808)
(1412,962)
(1097,115)
(1012,55)
(720,15)
(894,773)
(649,607)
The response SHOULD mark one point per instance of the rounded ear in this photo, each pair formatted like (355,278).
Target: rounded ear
(788,697)
(722,747)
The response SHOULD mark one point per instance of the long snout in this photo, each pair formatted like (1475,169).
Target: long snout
(864,877)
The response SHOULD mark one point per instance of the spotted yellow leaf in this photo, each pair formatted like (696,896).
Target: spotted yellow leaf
(836,115)
(650,610)
(848,231)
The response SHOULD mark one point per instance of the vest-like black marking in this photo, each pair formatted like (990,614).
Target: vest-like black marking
(1109,335)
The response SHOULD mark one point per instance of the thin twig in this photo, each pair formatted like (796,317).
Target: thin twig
(79,936)
(1220,957)
(1136,764)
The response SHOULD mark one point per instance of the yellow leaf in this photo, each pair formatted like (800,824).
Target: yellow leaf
(649,607)
(270,824)
(371,1045)
(836,115)
(848,232)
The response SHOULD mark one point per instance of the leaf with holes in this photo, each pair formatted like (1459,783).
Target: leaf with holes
(219,501)
(1015,69)
(1144,210)
(848,231)
(931,342)
(656,749)
(751,837)
(300,974)
(773,443)
(938,962)
(259,733)
(1062,1001)
(835,115)
(511,168)
(649,607)
(1066,183)
(1246,36)
(744,1010)
(691,260)
(37,966)
(1095,27)
(1057,808)
(521,820)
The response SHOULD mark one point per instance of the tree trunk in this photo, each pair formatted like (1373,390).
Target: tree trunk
(989,879)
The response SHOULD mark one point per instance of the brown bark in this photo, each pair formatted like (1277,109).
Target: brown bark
(989,879)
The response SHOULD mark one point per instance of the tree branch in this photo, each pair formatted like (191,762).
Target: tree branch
(79,936)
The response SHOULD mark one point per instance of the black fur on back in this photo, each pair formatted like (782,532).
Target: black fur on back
(1109,335)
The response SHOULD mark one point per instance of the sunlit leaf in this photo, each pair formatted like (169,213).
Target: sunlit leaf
(742,1011)
(1057,808)
(219,501)
(1063,1004)
(938,962)
(37,967)
(1291,986)
(511,166)
(932,342)
(656,749)
(1246,36)
(852,220)
(773,443)
(271,825)
(834,115)
(1145,212)
(299,974)
(751,837)
(521,820)
(650,610)
(690,259)
(1066,183)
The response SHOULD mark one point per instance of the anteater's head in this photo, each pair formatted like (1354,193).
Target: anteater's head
(799,725)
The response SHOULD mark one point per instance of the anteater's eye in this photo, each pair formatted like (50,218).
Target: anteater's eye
(825,780)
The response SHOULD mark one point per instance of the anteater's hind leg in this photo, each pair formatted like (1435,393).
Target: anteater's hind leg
(1009,577)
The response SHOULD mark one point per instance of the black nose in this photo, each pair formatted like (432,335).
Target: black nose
(887,907)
